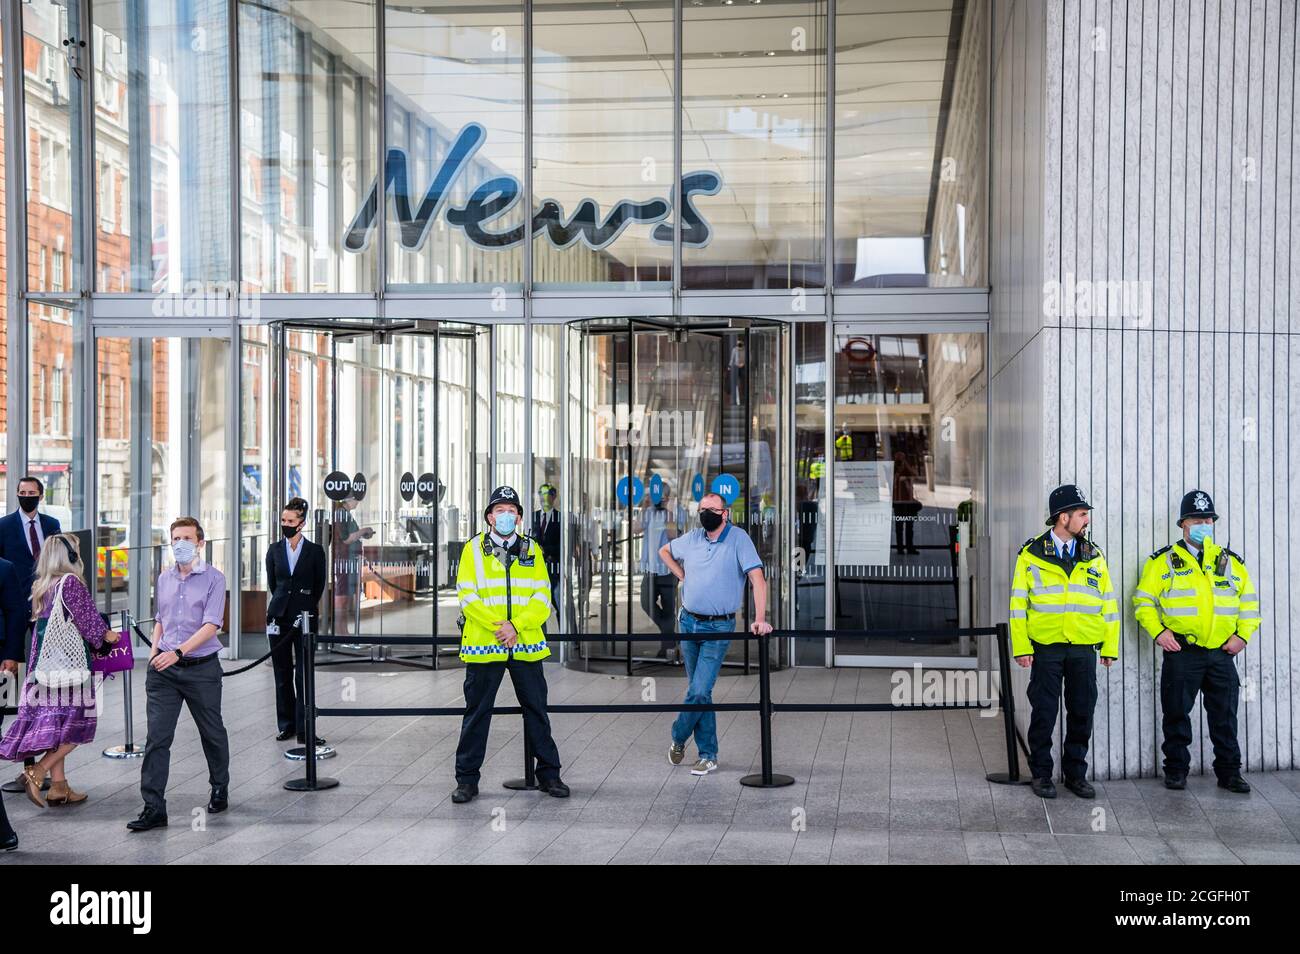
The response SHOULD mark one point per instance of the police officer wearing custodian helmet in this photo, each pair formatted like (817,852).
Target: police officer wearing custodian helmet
(1063,607)
(504,592)
(1196,600)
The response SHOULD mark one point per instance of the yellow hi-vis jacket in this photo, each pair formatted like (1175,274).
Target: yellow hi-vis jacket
(1049,605)
(1206,601)
(490,592)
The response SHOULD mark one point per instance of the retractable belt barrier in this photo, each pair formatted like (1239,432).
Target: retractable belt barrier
(765,707)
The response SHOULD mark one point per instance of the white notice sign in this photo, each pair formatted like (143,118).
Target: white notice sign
(864,513)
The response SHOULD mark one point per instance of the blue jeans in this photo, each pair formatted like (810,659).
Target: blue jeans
(703,659)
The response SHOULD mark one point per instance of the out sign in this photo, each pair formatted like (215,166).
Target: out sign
(406,486)
(427,488)
(337,486)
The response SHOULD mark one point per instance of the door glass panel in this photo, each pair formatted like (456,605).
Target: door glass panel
(910,419)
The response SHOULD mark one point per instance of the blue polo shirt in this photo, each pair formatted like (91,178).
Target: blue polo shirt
(715,570)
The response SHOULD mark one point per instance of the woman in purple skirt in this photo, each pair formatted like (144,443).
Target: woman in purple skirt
(56,721)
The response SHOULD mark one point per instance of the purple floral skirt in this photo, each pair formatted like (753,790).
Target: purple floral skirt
(48,718)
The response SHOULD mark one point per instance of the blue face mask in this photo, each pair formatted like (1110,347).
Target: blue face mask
(183,551)
(505,523)
(1199,533)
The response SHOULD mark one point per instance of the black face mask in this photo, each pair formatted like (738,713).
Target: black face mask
(29,504)
(709,520)
(289,530)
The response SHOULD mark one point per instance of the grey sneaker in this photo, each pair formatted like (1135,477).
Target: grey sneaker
(676,753)
(704,767)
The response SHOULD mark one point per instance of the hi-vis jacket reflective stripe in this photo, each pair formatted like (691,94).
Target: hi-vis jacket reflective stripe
(489,593)
(1050,606)
(1191,598)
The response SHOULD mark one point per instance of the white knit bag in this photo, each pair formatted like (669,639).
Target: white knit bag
(62,661)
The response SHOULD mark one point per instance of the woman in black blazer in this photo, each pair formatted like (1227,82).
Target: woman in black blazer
(292,591)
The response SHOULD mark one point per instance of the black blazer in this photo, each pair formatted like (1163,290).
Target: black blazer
(550,538)
(290,595)
(13,613)
(15,548)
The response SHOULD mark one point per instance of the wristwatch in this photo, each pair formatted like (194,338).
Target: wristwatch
(180,653)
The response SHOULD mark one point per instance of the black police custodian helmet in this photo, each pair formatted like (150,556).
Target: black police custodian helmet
(503,494)
(1063,498)
(1196,503)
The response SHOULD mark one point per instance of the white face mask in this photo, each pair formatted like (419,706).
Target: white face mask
(183,551)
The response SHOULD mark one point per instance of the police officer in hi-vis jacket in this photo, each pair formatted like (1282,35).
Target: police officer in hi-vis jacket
(1063,610)
(504,593)
(1195,599)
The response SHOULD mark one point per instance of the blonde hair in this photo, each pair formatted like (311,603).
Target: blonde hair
(52,566)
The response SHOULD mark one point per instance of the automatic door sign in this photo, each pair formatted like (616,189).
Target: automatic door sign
(359,486)
(630,490)
(406,486)
(338,486)
(697,487)
(428,488)
(726,487)
(656,489)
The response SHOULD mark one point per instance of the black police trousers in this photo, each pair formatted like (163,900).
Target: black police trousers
(481,683)
(1073,667)
(1212,673)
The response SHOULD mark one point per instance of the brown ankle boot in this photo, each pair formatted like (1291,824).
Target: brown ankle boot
(34,776)
(61,793)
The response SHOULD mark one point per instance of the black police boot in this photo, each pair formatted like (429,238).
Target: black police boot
(554,787)
(219,800)
(464,793)
(1235,783)
(1043,787)
(1081,787)
(149,818)
(9,842)
(1176,780)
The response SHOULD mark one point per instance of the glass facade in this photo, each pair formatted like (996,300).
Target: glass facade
(441,248)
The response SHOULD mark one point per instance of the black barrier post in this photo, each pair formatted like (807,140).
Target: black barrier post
(529,782)
(1006,699)
(766,778)
(312,783)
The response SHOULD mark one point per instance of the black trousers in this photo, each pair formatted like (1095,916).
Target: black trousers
(199,688)
(481,683)
(286,664)
(1073,668)
(1212,673)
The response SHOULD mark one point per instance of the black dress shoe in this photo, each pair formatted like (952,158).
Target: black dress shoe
(9,842)
(285,736)
(149,818)
(464,793)
(19,785)
(1043,787)
(554,788)
(1235,783)
(219,800)
(1081,787)
(1176,780)
(302,740)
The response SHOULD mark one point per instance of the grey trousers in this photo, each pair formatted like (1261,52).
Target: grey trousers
(199,687)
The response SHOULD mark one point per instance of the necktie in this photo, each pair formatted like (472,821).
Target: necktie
(35,540)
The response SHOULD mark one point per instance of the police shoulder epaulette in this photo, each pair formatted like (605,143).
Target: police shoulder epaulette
(1096,549)
(1027,543)
(1165,549)
(1235,555)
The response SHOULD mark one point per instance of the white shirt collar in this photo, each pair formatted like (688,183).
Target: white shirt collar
(1063,546)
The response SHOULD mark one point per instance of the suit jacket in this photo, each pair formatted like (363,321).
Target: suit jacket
(13,614)
(15,548)
(550,538)
(291,594)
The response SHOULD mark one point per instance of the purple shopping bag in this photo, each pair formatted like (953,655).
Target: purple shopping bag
(115,657)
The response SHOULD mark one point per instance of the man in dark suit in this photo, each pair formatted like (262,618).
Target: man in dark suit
(546,531)
(295,580)
(22,534)
(13,651)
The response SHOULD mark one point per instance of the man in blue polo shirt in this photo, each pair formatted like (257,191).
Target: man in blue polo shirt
(718,557)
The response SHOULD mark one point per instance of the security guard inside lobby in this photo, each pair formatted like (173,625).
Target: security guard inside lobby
(1196,601)
(504,593)
(1063,609)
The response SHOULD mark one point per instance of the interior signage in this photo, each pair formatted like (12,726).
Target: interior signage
(495,197)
